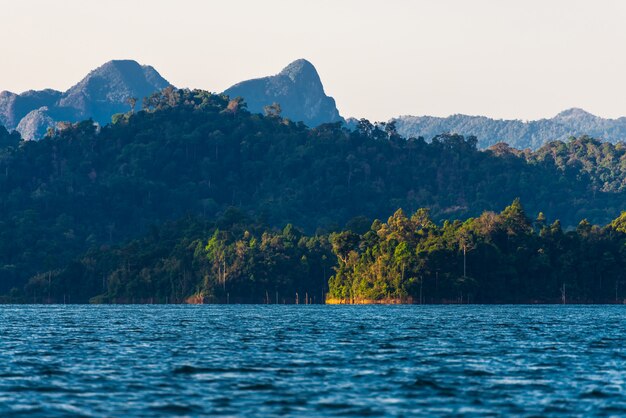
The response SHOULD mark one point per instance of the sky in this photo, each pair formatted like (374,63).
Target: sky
(379,59)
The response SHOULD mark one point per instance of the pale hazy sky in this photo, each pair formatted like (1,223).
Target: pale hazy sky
(378,59)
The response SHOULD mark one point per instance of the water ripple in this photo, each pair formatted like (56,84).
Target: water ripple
(105,361)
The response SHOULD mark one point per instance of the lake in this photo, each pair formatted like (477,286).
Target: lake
(267,360)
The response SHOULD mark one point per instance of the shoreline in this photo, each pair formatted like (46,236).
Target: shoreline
(358,301)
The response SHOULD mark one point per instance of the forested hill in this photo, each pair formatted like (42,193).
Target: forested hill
(517,133)
(194,153)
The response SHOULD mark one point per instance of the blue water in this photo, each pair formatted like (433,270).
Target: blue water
(312,360)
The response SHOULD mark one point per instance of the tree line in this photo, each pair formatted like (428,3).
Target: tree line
(190,153)
(500,257)
(494,258)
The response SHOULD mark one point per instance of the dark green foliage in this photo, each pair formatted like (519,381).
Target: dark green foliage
(239,262)
(8,139)
(507,260)
(196,153)
(602,164)
(494,258)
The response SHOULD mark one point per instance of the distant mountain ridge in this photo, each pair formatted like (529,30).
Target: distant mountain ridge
(297,88)
(102,93)
(105,91)
(299,91)
(517,133)
(13,107)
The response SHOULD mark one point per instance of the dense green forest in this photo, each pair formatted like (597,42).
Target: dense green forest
(197,155)
(494,258)
(192,260)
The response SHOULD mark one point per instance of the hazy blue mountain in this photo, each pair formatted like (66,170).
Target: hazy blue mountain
(13,107)
(105,90)
(518,134)
(297,88)
(299,91)
(102,93)
(36,123)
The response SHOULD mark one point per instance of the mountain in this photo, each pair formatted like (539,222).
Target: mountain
(518,134)
(105,90)
(299,91)
(36,123)
(102,93)
(297,88)
(13,107)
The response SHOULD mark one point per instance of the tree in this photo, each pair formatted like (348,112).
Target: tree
(344,242)
(540,222)
(132,102)
(402,257)
(8,139)
(515,219)
(273,111)
(619,223)
(236,104)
